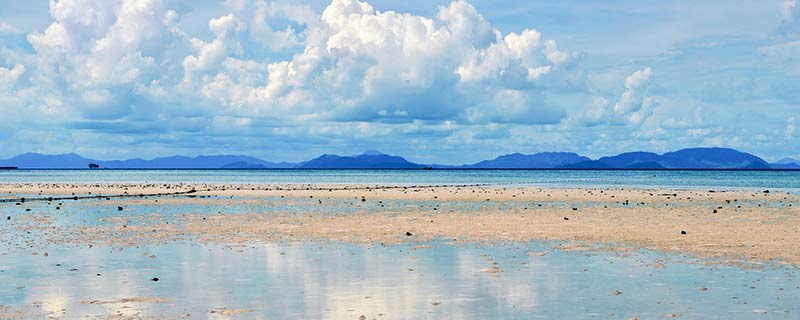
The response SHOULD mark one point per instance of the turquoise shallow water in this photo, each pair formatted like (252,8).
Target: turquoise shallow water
(784,180)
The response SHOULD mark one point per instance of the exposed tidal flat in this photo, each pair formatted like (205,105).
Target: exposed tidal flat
(388,251)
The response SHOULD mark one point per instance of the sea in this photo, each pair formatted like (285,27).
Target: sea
(679,179)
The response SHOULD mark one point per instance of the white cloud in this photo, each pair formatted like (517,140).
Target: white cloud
(9,77)
(596,112)
(355,63)
(363,64)
(631,100)
(265,14)
(791,128)
(97,49)
(210,56)
(6,28)
(633,106)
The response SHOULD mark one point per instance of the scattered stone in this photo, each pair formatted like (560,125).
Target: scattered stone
(154,279)
(408,234)
(126,300)
(683,232)
(617,292)
(229,312)
(492,270)
(119,208)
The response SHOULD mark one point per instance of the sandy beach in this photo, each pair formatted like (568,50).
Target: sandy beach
(734,227)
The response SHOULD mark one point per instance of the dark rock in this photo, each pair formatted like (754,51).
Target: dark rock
(683,232)
(119,209)
(408,234)
(154,279)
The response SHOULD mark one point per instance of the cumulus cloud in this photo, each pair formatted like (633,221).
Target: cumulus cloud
(96,52)
(129,67)
(791,128)
(9,77)
(277,25)
(633,107)
(211,55)
(631,100)
(113,59)
(363,64)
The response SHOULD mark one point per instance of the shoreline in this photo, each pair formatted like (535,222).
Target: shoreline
(726,226)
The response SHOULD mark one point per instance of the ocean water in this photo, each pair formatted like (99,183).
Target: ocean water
(780,180)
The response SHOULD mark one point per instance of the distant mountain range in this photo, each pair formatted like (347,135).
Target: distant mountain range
(74,161)
(786,163)
(694,158)
(542,160)
(369,160)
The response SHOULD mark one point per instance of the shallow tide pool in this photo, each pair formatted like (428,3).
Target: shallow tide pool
(335,280)
(343,281)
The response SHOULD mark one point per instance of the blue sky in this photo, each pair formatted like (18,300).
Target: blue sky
(435,81)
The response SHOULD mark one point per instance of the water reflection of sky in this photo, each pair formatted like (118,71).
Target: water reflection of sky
(334,280)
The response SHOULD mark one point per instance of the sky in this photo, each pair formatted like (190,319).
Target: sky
(434,81)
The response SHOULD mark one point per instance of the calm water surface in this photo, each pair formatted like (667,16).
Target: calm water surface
(342,281)
(784,180)
(333,280)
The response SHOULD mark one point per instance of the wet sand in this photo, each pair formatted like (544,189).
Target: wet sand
(752,227)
